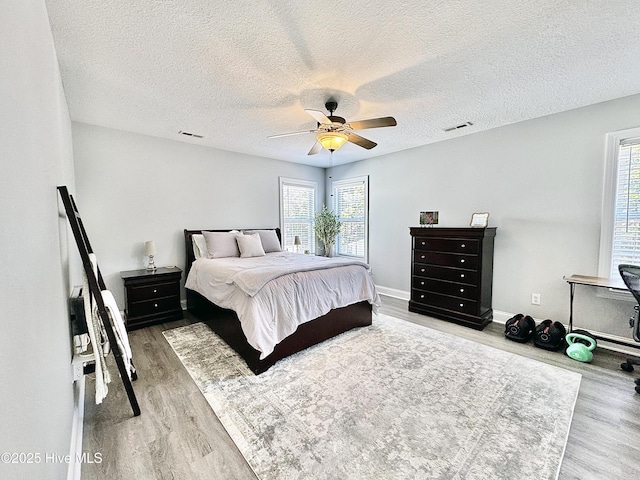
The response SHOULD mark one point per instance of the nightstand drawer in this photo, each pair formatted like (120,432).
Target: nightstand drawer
(446,259)
(152,307)
(446,288)
(137,293)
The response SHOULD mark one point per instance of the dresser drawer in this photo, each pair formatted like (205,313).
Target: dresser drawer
(444,301)
(453,245)
(469,277)
(153,307)
(446,259)
(446,288)
(137,293)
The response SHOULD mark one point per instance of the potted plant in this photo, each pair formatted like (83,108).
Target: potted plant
(327,228)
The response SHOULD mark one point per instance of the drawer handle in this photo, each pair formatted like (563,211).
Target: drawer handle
(421,283)
(421,296)
(155,290)
(155,305)
(462,290)
(422,270)
(462,261)
(422,256)
(463,245)
(462,275)
(462,304)
(423,243)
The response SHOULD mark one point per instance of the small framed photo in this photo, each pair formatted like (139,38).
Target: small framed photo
(428,218)
(480,220)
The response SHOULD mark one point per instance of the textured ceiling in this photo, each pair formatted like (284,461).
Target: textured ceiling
(239,71)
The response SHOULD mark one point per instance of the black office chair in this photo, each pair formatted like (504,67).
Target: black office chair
(631,277)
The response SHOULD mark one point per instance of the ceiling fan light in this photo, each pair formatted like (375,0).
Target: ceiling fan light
(332,140)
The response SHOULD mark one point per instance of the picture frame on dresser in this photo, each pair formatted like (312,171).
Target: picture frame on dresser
(479,220)
(429,219)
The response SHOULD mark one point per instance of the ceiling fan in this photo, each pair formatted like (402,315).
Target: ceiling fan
(334,131)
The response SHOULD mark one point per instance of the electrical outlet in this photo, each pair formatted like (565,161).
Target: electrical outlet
(535,299)
(78,371)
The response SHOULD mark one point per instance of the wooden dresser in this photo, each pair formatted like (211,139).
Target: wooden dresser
(452,274)
(152,296)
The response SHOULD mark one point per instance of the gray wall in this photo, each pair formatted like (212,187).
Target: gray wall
(541,181)
(36,401)
(133,188)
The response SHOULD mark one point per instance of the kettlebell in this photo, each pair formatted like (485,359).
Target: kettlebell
(580,351)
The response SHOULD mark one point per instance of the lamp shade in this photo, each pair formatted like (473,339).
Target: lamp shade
(296,240)
(332,140)
(150,248)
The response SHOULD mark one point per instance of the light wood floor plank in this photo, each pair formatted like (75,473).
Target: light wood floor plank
(179,437)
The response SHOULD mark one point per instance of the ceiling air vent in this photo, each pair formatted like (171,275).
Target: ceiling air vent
(458,127)
(187,134)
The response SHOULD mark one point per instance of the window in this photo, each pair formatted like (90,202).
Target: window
(351,204)
(620,236)
(297,210)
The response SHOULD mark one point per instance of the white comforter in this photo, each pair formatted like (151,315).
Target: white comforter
(275,293)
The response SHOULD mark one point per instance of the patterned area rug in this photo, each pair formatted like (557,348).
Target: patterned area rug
(394,400)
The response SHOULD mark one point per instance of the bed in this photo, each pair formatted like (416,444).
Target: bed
(218,305)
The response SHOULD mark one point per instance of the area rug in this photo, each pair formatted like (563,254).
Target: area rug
(391,401)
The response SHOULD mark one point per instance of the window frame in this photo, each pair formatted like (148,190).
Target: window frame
(286,181)
(336,184)
(608,215)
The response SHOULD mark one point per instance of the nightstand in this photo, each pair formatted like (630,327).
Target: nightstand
(152,296)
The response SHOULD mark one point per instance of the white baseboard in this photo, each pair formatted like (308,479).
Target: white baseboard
(75,450)
(616,344)
(392,292)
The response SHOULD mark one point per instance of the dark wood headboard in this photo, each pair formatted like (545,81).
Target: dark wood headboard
(188,245)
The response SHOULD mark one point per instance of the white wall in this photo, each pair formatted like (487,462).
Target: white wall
(541,181)
(132,188)
(36,401)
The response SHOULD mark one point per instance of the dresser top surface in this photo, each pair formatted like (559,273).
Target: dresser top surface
(453,231)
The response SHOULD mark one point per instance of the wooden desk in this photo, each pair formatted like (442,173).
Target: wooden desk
(573,280)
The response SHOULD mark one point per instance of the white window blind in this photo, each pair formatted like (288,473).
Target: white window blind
(626,221)
(297,211)
(351,205)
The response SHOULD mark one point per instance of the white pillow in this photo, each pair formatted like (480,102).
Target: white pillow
(199,246)
(222,244)
(250,245)
(269,239)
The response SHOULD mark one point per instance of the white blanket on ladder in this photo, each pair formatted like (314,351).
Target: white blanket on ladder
(98,336)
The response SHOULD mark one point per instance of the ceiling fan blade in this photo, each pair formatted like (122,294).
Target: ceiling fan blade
(361,141)
(292,133)
(318,115)
(374,123)
(315,149)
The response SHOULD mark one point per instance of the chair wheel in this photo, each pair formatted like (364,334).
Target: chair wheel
(627,367)
(637,381)
(638,388)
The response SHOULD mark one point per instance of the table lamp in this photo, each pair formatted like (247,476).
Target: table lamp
(150,251)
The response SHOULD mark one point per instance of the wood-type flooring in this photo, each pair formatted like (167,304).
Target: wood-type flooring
(179,437)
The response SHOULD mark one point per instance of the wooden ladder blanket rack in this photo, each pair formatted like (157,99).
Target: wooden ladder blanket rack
(96,286)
